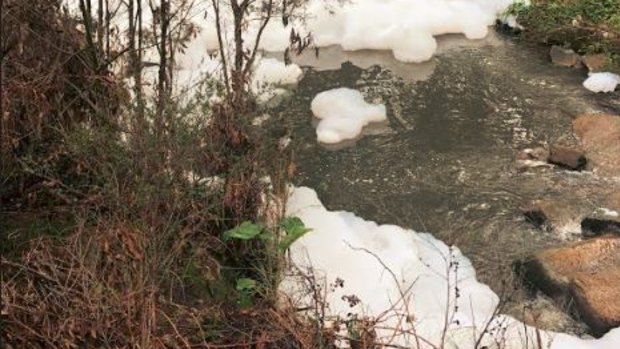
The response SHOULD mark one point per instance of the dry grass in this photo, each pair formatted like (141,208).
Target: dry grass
(114,285)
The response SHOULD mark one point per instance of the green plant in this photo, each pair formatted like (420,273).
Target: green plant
(294,229)
(247,287)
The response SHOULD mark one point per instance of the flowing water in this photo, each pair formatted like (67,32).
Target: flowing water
(444,161)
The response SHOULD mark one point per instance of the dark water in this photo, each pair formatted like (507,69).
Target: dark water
(445,162)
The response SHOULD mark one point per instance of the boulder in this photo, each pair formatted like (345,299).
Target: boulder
(600,139)
(564,57)
(553,269)
(585,273)
(594,62)
(567,158)
(596,298)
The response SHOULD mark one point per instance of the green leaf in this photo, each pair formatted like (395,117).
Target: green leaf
(245,231)
(245,284)
(294,228)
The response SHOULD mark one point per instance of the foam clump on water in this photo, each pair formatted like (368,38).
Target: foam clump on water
(406,27)
(418,292)
(343,113)
(602,82)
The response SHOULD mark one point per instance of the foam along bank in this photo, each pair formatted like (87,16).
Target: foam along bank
(343,113)
(421,292)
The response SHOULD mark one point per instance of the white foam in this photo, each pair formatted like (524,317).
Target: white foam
(274,72)
(343,113)
(406,27)
(421,268)
(602,82)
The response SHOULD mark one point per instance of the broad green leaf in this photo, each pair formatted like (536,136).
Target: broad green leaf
(245,231)
(245,284)
(294,228)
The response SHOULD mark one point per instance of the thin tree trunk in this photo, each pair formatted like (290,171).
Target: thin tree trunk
(163,64)
(100,25)
(218,26)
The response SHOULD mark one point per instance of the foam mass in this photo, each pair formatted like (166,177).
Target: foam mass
(602,82)
(343,113)
(406,27)
(405,280)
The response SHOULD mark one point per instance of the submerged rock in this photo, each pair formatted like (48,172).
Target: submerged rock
(600,139)
(564,57)
(560,217)
(568,158)
(587,272)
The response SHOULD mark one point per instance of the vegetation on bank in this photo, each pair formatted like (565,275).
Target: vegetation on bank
(587,26)
(128,218)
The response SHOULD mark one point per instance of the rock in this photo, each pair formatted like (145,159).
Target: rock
(604,219)
(586,272)
(598,226)
(560,217)
(564,57)
(568,158)
(600,139)
(552,270)
(597,299)
(594,62)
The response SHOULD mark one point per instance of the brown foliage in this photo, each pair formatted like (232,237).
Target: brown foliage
(104,287)
(51,78)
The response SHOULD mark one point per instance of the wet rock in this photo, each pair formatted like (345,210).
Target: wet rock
(597,299)
(567,158)
(553,270)
(560,217)
(597,226)
(600,139)
(605,219)
(594,62)
(564,57)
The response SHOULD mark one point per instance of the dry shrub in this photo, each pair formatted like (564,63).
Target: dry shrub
(109,286)
(51,81)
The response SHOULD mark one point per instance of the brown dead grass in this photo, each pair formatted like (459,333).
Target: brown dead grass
(104,287)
